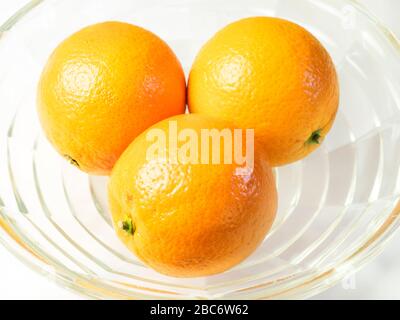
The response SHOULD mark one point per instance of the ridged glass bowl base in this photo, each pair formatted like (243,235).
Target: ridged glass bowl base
(336,209)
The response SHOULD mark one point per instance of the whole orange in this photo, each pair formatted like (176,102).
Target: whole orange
(102,87)
(273,76)
(190,218)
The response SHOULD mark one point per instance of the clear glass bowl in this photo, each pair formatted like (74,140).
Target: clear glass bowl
(337,208)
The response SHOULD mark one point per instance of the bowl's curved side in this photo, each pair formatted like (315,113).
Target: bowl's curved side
(19,14)
(97,290)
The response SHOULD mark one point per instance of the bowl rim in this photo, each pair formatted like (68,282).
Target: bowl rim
(19,245)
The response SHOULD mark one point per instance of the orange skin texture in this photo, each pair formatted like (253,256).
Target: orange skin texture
(191,220)
(102,87)
(273,76)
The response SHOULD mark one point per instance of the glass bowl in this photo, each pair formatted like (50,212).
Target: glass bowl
(337,208)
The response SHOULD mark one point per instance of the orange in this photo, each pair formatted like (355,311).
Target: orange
(190,219)
(102,87)
(273,76)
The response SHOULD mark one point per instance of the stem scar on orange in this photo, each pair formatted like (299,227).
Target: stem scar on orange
(270,75)
(102,87)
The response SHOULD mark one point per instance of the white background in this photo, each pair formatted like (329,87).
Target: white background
(379,280)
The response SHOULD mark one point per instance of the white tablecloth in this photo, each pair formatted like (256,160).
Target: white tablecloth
(379,280)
